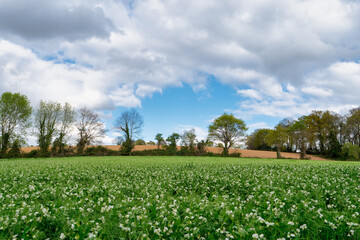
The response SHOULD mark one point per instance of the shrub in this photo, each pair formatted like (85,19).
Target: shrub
(32,154)
(351,152)
(235,154)
(15,152)
(99,151)
(152,152)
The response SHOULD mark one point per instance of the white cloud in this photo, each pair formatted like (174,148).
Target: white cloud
(317,92)
(124,96)
(250,93)
(284,55)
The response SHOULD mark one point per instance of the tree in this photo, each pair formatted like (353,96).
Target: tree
(67,118)
(351,152)
(15,114)
(302,135)
(172,140)
(15,150)
(227,129)
(47,117)
(257,140)
(278,138)
(334,146)
(201,146)
(140,142)
(90,128)
(150,143)
(159,140)
(189,139)
(287,123)
(353,126)
(129,123)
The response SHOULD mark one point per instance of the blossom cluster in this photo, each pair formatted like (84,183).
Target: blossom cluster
(178,198)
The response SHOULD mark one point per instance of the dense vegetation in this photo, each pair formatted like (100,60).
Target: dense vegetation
(178,198)
(321,132)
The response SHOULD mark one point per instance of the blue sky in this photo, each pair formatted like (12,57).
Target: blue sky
(184,63)
(181,108)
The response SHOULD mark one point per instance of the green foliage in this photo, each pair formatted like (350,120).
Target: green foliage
(15,150)
(351,152)
(140,142)
(15,114)
(172,142)
(188,139)
(159,140)
(178,198)
(152,152)
(99,151)
(227,129)
(257,140)
(277,137)
(334,146)
(353,126)
(32,154)
(47,118)
(127,147)
(67,118)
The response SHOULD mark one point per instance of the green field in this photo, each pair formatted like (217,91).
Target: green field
(178,198)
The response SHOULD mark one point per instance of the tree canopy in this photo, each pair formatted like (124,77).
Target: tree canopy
(15,114)
(130,124)
(228,130)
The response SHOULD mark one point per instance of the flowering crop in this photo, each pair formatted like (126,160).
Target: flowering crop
(178,198)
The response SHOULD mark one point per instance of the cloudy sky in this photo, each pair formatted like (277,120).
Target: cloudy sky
(183,63)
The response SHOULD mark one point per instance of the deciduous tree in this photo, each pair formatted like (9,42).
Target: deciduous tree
(277,137)
(159,140)
(91,129)
(47,117)
(67,119)
(257,140)
(15,114)
(188,139)
(130,124)
(172,141)
(227,129)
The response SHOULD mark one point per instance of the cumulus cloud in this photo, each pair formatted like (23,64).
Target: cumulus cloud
(39,19)
(286,57)
(22,71)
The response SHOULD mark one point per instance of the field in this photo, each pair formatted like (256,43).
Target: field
(178,198)
(244,152)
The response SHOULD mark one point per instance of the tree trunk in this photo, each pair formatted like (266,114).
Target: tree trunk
(303,151)
(278,154)
(226,149)
(4,144)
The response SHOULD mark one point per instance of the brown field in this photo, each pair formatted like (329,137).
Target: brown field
(244,153)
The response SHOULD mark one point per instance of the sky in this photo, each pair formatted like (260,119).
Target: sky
(182,64)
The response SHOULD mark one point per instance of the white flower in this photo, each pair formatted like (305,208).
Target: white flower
(62,236)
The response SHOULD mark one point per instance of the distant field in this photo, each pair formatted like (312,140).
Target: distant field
(178,198)
(244,152)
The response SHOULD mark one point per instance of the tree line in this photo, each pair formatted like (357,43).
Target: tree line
(53,124)
(321,132)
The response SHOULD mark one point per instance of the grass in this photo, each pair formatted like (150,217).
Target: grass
(178,198)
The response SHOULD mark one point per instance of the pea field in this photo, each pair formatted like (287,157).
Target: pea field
(178,198)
